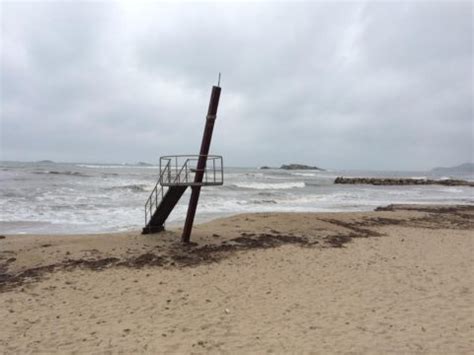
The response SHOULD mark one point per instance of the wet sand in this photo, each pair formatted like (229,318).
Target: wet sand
(395,280)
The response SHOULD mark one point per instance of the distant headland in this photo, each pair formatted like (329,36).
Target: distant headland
(465,168)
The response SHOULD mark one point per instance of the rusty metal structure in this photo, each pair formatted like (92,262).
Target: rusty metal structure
(178,172)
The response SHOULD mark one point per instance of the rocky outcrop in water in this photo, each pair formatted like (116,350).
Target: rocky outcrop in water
(401,181)
(299,167)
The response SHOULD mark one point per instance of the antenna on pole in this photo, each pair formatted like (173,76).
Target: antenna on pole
(219,80)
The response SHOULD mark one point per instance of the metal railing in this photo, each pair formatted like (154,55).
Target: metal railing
(180,170)
(152,203)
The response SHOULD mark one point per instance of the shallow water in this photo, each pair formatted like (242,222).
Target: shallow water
(87,198)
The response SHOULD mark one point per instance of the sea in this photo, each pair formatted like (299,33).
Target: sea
(76,198)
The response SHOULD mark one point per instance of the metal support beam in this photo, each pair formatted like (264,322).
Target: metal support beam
(201,165)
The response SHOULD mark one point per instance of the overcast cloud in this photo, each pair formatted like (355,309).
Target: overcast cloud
(339,85)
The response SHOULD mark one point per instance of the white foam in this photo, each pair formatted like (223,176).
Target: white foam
(90,166)
(454,190)
(272,186)
(303,174)
(71,205)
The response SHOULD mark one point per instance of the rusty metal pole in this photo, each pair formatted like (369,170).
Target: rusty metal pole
(201,165)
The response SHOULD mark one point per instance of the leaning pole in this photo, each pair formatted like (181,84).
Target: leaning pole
(201,165)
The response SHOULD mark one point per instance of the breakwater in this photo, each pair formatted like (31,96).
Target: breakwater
(401,181)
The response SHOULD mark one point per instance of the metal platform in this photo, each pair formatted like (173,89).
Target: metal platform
(180,170)
(177,172)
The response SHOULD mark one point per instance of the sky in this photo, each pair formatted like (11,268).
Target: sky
(340,85)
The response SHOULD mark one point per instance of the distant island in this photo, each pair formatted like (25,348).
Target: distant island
(45,162)
(294,167)
(299,167)
(467,168)
(141,163)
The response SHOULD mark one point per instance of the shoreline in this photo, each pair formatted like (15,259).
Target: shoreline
(177,224)
(383,281)
(31,256)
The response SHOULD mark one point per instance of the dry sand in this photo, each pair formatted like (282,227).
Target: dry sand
(393,281)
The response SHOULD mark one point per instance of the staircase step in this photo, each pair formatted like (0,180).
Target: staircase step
(169,201)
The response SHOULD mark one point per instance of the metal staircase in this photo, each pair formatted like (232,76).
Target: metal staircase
(177,172)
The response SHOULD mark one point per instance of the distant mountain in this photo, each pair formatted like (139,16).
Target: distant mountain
(466,168)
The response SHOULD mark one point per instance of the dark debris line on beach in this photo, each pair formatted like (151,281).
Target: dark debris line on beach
(449,217)
(456,217)
(177,256)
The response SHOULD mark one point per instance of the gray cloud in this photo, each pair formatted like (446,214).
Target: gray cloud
(339,85)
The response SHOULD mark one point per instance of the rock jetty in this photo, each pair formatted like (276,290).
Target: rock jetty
(401,181)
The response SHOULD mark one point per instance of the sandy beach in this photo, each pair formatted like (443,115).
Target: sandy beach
(396,280)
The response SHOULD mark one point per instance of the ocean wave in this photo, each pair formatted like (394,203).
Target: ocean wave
(266,193)
(453,189)
(91,166)
(131,188)
(315,183)
(68,173)
(263,202)
(303,174)
(256,202)
(272,186)
(12,194)
(257,175)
